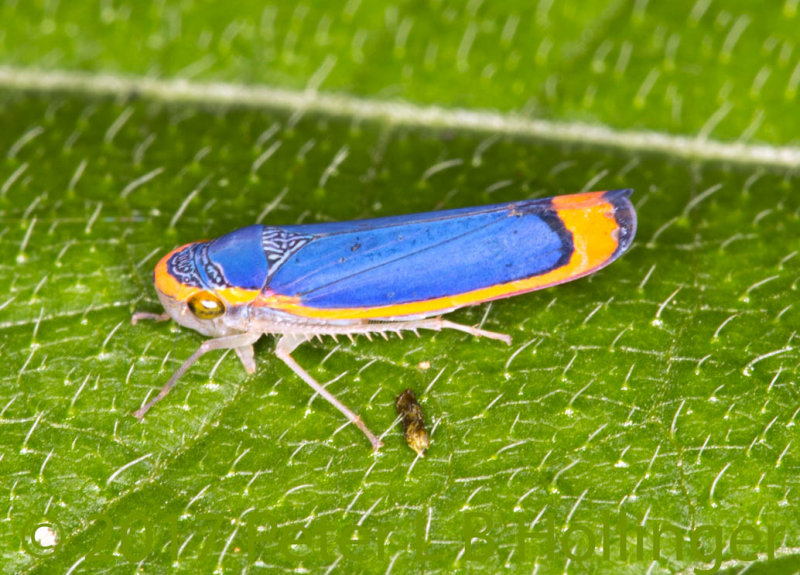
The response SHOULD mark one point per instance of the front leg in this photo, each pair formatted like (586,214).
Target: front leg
(140,315)
(244,340)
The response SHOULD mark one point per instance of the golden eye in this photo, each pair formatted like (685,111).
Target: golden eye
(205,305)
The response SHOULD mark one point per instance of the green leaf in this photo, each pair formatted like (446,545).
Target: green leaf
(660,392)
(725,69)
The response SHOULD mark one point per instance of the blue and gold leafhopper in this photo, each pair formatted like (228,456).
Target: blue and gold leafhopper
(382,275)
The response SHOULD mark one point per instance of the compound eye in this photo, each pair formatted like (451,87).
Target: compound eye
(205,305)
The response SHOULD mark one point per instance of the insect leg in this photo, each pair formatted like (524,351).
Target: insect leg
(283,349)
(234,341)
(140,315)
(477,332)
(247,356)
(435,324)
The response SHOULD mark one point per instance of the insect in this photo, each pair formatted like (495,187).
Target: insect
(380,276)
(413,424)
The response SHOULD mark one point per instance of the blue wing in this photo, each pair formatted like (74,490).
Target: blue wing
(403,259)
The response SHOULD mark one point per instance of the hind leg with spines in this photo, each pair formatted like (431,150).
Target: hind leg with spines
(384,327)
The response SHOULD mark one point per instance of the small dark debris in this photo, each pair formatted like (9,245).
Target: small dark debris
(413,423)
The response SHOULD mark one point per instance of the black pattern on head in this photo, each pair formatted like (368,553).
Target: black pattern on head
(189,265)
(212,270)
(182,266)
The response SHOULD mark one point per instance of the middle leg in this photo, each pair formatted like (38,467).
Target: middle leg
(283,349)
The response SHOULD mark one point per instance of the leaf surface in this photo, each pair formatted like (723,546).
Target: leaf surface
(660,391)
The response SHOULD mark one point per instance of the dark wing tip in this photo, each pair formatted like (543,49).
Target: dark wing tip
(625,215)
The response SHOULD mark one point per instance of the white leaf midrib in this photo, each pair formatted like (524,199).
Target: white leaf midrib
(396,112)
